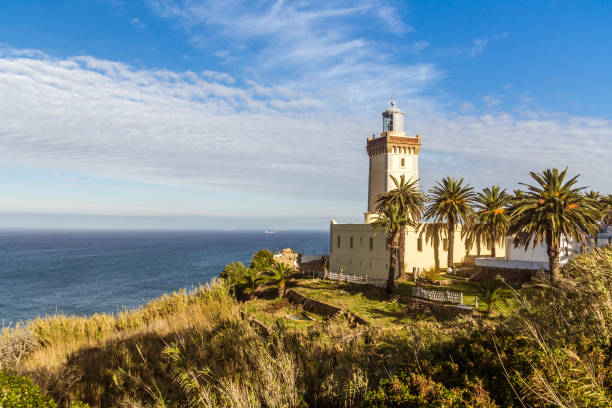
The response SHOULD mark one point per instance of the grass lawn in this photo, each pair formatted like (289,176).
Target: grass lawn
(368,303)
(363,300)
(503,306)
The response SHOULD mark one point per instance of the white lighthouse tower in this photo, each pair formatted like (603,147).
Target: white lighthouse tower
(391,154)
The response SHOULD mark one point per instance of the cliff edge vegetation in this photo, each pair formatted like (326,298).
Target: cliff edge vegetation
(206,348)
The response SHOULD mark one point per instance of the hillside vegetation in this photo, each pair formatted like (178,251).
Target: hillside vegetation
(203,349)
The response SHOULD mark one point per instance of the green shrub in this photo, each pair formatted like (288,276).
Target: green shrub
(415,390)
(18,392)
(234,272)
(431,274)
(261,260)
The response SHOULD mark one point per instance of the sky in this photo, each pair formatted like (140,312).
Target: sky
(198,114)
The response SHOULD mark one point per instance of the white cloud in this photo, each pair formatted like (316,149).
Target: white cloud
(491,100)
(219,76)
(311,46)
(136,22)
(293,126)
(418,47)
(107,119)
(478,46)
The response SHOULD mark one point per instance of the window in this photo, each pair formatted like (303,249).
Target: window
(403,162)
(420,244)
(371,244)
(387,122)
(445,244)
(360,241)
(338,241)
(351,243)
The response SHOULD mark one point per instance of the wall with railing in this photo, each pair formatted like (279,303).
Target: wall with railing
(444,296)
(356,278)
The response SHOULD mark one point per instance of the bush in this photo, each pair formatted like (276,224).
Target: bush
(431,274)
(233,273)
(415,390)
(15,344)
(261,260)
(18,392)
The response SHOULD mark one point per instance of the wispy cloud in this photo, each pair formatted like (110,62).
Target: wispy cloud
(136,22)
(478,46)
(311,46)
(107,119)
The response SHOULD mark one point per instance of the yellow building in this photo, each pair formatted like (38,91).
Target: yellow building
(357,248)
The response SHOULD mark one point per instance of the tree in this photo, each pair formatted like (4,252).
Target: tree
(550,211)
(492,219)
(324,266)
(261,260)
(450,203)
(391,221)
(280,274)
(490,293)
(606,202)
(250,280)
(233,273)
(409,200)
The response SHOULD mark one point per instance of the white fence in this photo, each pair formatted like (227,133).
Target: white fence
(356,278)
(511,264)
(446,296)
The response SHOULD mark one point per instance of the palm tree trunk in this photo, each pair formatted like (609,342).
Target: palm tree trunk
(451,242)
(552,250)
(324,261)
(493,245)
(391,277)
(402,251)
(281,289)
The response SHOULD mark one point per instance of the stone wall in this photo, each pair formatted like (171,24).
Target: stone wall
(320,308)
(437,309)
(510,276)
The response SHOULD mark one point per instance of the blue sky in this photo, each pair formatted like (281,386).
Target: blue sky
(248,114)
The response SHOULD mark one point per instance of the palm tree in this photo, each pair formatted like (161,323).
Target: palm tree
(606,202)
(279,273)
(550,211)
(492,219)
(602,202)
(392,222)
(251,280)
(410,202)
(451,204)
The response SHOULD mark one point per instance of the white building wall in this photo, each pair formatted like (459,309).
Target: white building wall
(385,165)
(410,169)
(361,260)
(377,176)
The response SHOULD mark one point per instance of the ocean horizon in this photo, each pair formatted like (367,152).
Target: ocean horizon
(87,271)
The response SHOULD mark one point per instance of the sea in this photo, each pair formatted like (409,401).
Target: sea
(80,273)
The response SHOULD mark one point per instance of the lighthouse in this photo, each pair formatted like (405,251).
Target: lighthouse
(391,154)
